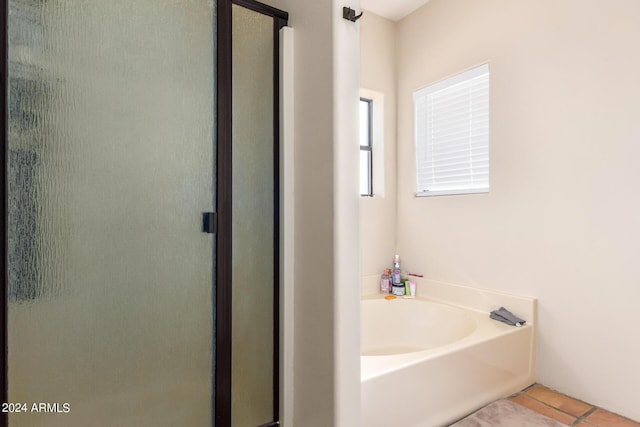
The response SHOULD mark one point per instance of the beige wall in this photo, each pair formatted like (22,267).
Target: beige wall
(346,235)
(378,75)
(326,306)
(561,222)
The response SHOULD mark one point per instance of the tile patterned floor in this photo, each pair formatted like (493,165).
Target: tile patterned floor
(568,410)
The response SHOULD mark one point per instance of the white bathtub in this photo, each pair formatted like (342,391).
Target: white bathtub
(425,363)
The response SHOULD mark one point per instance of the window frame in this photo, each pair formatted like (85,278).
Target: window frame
(368,148)
(424,143)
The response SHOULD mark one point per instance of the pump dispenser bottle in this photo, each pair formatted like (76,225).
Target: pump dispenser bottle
(398,287)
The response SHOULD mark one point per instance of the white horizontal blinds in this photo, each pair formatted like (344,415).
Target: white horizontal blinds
(452,134)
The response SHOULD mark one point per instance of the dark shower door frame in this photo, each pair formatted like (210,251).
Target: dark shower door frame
(4,13)
(223,356)
(223,392)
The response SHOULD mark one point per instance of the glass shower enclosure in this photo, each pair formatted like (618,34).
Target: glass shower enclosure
(128,302)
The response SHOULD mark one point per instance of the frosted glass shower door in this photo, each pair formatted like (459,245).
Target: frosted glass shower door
(110,169)
(254,380)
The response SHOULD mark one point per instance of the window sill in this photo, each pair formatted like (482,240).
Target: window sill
(451,192)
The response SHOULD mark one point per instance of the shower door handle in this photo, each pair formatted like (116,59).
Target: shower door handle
(209,222)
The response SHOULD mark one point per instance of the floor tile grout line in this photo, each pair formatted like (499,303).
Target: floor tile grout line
(621,417)
(584,416)
(593,407)
(544,404)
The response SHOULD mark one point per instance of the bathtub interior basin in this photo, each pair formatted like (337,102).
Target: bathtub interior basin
(441,355)
(409,325)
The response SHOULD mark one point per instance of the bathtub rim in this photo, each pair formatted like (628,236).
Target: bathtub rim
(462,295)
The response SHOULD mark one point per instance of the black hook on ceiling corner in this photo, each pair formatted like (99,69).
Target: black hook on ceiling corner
(350,14)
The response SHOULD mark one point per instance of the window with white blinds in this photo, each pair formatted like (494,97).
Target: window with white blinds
(452,134)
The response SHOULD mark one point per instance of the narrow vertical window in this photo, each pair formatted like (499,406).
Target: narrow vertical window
(366,138)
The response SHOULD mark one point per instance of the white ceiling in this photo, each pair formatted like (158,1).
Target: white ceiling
(392,9)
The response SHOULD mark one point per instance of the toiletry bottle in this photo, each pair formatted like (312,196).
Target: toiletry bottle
(385,282)
(396,270)
(397,287)
(398,290)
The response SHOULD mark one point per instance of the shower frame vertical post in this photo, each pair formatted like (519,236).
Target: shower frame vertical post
(3,233)
(223,324)
(224,124)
